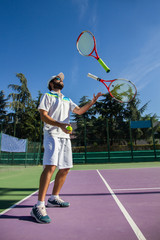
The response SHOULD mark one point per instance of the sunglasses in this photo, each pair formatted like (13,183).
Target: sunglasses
(57,78)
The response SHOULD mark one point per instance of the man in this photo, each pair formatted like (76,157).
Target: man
(55,111)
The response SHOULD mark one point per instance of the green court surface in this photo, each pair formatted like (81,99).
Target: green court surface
(17,182)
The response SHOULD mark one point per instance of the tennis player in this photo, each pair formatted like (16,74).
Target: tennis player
(55,111)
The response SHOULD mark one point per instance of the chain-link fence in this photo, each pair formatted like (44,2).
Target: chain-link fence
(118,141)
(110,141)
(11,156)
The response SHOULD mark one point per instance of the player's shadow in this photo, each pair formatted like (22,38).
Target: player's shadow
(110,194)
(21,218)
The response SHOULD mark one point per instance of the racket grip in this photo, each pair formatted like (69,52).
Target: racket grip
(103,65)
(93,76)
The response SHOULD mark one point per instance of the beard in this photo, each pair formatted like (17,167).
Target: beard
(58,86)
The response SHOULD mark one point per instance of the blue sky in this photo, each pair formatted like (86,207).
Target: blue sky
(38,39)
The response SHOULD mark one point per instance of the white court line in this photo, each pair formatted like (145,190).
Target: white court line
(17,203)
(133,225)
(6,210)
(135,189)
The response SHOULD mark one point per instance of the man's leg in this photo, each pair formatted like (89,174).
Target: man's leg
(55,200)
(44,181)
(59,181)
(39,211)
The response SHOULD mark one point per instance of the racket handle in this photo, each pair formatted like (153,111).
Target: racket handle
(93,76)
(103,65)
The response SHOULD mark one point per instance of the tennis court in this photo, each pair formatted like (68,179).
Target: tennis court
(105,204)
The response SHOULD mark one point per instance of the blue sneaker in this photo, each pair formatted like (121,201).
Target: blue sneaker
(57,202)
(40,214)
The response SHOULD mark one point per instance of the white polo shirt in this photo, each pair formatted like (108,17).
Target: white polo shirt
(58,107)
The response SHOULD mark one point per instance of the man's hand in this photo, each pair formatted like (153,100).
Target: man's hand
(96,97)
(63,127)
(87,106)
(47,119)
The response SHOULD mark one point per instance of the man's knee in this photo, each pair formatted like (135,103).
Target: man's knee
(50,168)
(64,171)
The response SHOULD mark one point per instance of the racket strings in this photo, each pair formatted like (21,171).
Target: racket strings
(85,44)
(122,90)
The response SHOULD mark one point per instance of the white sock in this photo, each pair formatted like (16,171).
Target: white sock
(52,197)
(41,203)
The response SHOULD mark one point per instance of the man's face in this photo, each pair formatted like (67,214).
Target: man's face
(58,83)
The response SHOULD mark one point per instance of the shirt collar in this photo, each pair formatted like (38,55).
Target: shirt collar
(59,94)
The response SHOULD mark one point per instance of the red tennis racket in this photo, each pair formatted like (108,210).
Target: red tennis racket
(86,45)
(122,90)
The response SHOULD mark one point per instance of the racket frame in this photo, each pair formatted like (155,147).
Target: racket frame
(110,82)
(94,50)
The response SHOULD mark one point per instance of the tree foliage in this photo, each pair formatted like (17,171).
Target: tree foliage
(23,118)
(3,106)
(118,116)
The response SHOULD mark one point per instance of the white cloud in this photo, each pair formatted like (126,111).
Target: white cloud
(86,9)
(82,7)
(74,72)
(145,64)
(93,16)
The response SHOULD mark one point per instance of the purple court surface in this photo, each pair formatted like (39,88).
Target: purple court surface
(121,204)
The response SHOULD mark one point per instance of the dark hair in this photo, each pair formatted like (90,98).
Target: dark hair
(50,89)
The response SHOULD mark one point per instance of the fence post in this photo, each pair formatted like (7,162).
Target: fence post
(34,143)
(0,140)
(130,133)
(154,145)
(40,142)
(85,142)
(26,153)
(108,145)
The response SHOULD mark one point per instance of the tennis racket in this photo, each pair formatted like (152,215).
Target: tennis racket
(122,90)
(86,45)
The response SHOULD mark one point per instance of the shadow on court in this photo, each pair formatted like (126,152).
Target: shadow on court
(9,191)
(10,196)
(109,194)
(21,218)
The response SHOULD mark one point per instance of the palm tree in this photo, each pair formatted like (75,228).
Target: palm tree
(3,112)
(21,99)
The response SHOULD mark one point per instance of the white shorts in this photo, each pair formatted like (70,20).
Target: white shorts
(57,152)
